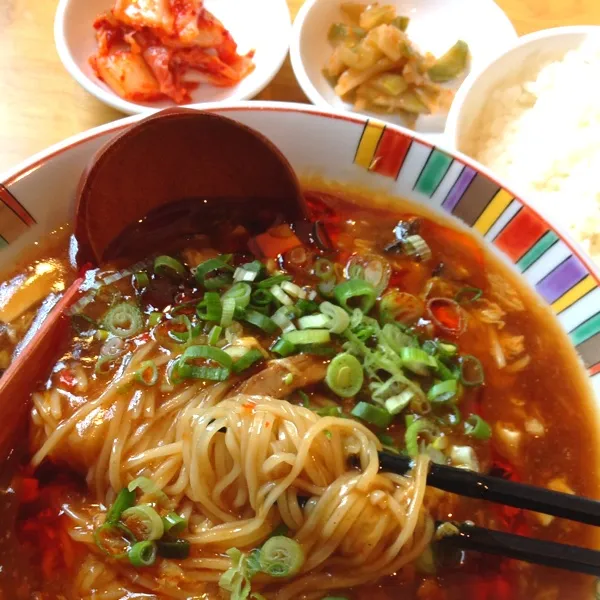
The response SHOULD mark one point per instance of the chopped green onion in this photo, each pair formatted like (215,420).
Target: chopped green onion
(372,414)
(104,363)
(443,391)
(144,522)
(411,436)
(114,539)
(141,280)
(313,321)
(183,337)
(240,292)
(466,295)
(125,499)
(401,307)
(219,269)
(417,360)
(281,556)
(174,549)
(293,290)
(372,268)
(248,272)
(317,350)
(283,317)
(471,371)
(123,320)
(259,320)
(386,439)
(166,265)
(190,371)
(345,375)
(282,347)
(149,489)
(306,306)
(305,398)
(415,245)
(247,360)
(396,404)
(174,524)
(154,318)
(324,269)
(329,411)
(326,287)
(288,379)
(395,338)
(280,295)
(274,280)
(262,297)
(227,311)
(355,289)
(142,554)
(210,308)
(214,335)
(339,320)
(147,373)
(307,336)
(476,427)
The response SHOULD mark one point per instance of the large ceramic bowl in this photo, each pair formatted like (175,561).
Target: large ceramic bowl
(37,196)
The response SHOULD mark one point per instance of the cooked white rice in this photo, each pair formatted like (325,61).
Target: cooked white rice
(542,132)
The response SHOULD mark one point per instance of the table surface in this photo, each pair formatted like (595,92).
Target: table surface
(40,104)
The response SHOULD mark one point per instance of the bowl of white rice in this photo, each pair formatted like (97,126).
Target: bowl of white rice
(533,117)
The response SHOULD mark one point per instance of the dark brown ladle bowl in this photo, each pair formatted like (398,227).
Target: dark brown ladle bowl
(221,168)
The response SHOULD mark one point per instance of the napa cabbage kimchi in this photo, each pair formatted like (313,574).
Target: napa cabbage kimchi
(155,49)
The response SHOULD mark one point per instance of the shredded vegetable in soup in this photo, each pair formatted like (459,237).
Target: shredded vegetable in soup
(211,427)
(375,65)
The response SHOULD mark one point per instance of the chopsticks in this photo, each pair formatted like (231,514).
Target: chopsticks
(519,547)
(519,495)
(493,489)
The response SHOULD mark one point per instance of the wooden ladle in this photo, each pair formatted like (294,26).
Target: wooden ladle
(224,171)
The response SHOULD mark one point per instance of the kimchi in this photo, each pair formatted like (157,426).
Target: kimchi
(149,49)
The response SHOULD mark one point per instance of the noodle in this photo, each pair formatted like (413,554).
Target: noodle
(238,466)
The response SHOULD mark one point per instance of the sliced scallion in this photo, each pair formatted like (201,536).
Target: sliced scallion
(306,307)
(318,321)
(247,360)
(283,317)
(114,539)
(443,391)
(415,245)
(240,292)
(141,280)
(144,522)
(345,375)
(142,554)
(169,266)
(372,414)
(396,404)
(471,371)
(355,290)
(214,335)
(280,295)
(417,360)
(339,320)
(227,311)
(123,320)
(293,290)
(466,295)
(281,556)
(282,347)
(149,489)
(307,336)
(147,373)
(215,273)
(259,320)
(174,524)
(476,427)
(411,436)
(274,280)
(125,499)
(210,309)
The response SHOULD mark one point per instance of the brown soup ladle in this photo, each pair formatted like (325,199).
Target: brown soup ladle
(177,172)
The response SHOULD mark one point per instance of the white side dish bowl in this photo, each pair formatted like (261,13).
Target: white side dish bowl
(260,25)
(435,25)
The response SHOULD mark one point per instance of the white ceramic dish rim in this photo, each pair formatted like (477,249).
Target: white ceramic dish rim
(451,128)
(298,64)
(132,108)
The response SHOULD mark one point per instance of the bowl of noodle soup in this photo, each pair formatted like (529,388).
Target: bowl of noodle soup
(211,422)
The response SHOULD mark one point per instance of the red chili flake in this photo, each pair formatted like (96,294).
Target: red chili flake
(67,378)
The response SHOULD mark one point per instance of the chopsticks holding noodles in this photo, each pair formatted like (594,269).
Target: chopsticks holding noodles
(519,495)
